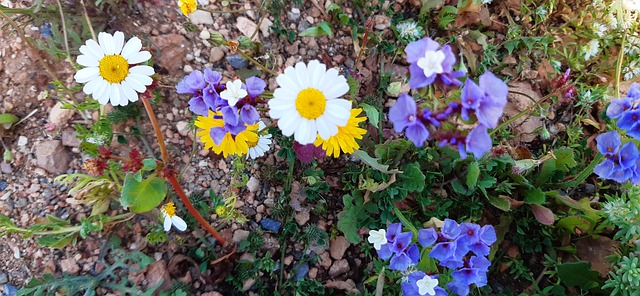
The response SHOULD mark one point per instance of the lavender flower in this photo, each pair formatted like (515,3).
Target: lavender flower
(404,115)
(620,163)
(431,63)
(487,100)
(398,247)
(194,84)
(477,142)
(473,272)
(255,86)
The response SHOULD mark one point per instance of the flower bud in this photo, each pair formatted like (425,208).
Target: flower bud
(245,42)
(216,39)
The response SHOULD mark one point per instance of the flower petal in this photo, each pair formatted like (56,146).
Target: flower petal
(167,222)
(132,47)
(87,61)
(86,74)
(106,43)
(179,223)
(129,92)
(118,41)
(139,57)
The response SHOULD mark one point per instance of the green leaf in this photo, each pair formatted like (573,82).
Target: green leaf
(332,7)
(355,211)
(57,241)
(412,179)
(534,196)
(7,119)
(511,45)
(138,176)
(142,196)
(326,27)
(372,113)
(500,203)
(373,162)
(458,187)
(564,159)
(570,224)
(149,164)
(473,174)
(577,273)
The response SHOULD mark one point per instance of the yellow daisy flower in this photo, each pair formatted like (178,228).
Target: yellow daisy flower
(230,144)
(345,139)
(188,6)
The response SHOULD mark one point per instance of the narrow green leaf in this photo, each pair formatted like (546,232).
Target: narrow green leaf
(326,28)
(8,118)
(142,196)
(500,203)
(313,32)
(373,162)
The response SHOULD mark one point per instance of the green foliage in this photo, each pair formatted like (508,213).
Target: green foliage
(142,196)
(578,274)
(322,29)
(8,119)
(121,114)
(109,278)
(354,214)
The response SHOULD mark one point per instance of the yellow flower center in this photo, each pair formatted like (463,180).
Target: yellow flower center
(221,210)
(170,209)
(114,68)
(252,144)
(311,103)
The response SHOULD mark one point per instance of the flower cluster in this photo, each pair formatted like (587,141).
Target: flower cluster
(483,102)
(228,117)
(626,111)
(307,105)
(621,162)
(463,248)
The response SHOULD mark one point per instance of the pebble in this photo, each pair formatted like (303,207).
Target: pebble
(338,267)
(248,284)
(3,185)
(201,17)
(271,225)
(338,247)
(302,271)
(303,25)
(253,184)
(22,141)
(4,278)
(10,290)
(205,35)
(52,156)
(237,61)
(216,54)
(70,138)
(69,266)
(302,217)
(187,69)
(294,14)
(183,128)
(240,235)
(60,116)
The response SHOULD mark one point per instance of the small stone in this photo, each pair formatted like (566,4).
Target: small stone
(302,271)
(22,141)
(240,235)
(313,273)
(253,184)
(70,138)
(338,247)
(156,273)
(183,128)
(303,25)
(69,266)
(248,284)
(325,260)
(3,278)
(294,14)
(216,54)
(172,48)
(201,17)
(237,61)
(213,293)
(339,267)
(5,168)
(302,217)
(293,48)
(3,185)
(288,260)
(246,26)
(52,156)
(10,290)
(271,225)
(60,116)
(187,69)
(205,35)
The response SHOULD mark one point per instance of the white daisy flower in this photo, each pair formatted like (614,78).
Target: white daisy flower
(307,102)
(259,148)
(170,218)
(591,49)
(234,92)
(107,75)
(599,29)
(377,238)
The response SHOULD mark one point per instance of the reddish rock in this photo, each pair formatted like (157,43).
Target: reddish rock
(52,156)
(172,48)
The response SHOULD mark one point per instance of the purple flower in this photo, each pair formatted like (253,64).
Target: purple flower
(619,106)
(608,143)
(478,141)
(192,83)
(427,237)
(249,114)
(198,106)
(450,229)
(487,100)
(634,91)
(474,272)
(401,242)
(204,88)
(443,251)
(212,77)
(401,261)
(420,284)
(404,115)
(487,235)
(429,62)
(255,86)
(621,163)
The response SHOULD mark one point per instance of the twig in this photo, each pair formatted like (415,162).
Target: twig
(156,129)
(263,15)
(246,56)
(64,32)
(86,16)
(619,66)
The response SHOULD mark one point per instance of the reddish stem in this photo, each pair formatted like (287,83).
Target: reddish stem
(172,178)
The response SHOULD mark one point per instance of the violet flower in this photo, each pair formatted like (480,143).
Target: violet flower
(430,63)
(420,284)
(486,100)
(477,142)
(404,115)
(621,163)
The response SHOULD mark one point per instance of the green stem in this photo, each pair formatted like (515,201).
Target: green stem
(619,65)
(260,21)
(246,56)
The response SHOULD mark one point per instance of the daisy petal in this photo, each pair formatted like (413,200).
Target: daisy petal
(85,50)
(144,70)
(132,47)
(87,61)
(167,222)
(86,74)
(129,92)
(106,43)
(103,98)
(288,124)
(115,94)
(94,48)
(326,129)
(146,80)
(135,84)
(282,93)
(179,223)
(123,97)
(287,82)
(118,41)
(139,57)
(316,71)
(91,86)
(100,90)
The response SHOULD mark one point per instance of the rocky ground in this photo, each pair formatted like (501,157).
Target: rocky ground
(43,144)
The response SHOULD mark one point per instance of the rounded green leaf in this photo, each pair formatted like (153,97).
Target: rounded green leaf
(142,196)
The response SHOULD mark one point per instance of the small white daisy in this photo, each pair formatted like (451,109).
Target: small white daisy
(377,238)
(234,92)
(591,49)
(170,218)
(107,75)
(307,102)
(599,29)
(263,144)
(426,285)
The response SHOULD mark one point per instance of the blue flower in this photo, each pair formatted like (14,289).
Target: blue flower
(255,86)
(473,272)
(608,143)
(478,141)
(621,163)
(487,236)
(401,261)
(429,63)
(487,99)
(404,115)
(443,251)
(619,106)
(427,237)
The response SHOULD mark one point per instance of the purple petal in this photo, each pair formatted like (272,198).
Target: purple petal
(608,143)
(249,114)
(212,77)
(402,111)
(418,80)
(417,133)
(495,88)
(604,169)
(198,106)
(427,237)
(255,86)
(217,134)
(415,50)
(478,141)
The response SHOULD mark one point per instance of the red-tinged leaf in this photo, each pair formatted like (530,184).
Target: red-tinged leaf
(543,214)
(305,153)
